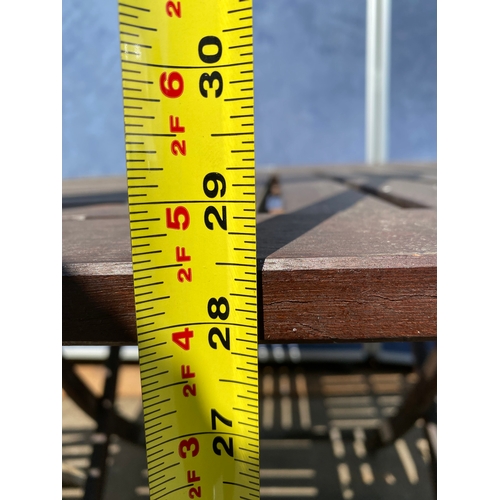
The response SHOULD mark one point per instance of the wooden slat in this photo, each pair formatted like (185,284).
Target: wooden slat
(339,265)
(405,193)
(92,191)
(348,267)
(403,185)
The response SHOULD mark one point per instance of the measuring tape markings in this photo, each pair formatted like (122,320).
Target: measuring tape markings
(190,168)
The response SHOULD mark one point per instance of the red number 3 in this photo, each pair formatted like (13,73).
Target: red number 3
(191,445)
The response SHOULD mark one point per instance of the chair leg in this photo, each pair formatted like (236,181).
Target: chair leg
(102,411)
(96,479)
(431,434)
(417,402)
(84,398)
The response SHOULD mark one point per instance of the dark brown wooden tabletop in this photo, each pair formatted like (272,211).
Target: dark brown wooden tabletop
(352,258)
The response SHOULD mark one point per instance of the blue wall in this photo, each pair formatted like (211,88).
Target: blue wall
(309,83)
(413,126)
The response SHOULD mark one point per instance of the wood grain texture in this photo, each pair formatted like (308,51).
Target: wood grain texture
(350,304)
(341,265)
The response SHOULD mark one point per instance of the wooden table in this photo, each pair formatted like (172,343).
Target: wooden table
(352,258)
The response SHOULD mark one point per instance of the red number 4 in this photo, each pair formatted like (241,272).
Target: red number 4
(182,339)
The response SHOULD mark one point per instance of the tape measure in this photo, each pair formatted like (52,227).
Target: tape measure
(187,71)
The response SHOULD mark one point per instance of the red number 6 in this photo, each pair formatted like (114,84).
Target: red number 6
(169,90)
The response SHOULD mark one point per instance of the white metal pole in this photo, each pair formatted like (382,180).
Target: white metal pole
(378,53)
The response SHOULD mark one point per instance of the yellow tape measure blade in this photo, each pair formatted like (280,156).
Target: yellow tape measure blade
(189,130)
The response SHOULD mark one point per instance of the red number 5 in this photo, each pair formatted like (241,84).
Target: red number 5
(174,220)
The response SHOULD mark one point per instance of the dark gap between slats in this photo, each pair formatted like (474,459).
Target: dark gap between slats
(391,198)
